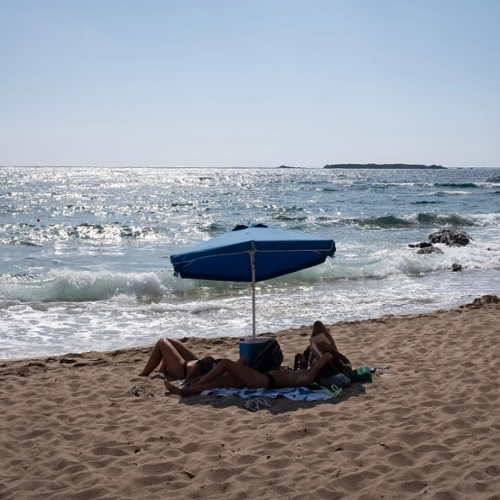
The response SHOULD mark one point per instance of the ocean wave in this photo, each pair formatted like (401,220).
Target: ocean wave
(288,218)
(36,235)
(82,286)
(386,222)
(92,231)
(388,263)
(471,185)
(160,291)
(425,219)
(425,202)
(442,194)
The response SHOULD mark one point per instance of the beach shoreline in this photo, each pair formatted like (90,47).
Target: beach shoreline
(71,427)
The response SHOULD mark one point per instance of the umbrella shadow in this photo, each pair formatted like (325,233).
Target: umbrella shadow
(277,406)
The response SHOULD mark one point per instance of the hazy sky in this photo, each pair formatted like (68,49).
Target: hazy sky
(249,83)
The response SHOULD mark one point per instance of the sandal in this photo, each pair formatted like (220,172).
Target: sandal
(251,405)
(262,402)
(137,390)
(255,404)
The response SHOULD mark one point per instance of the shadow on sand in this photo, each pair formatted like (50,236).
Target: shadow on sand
(278,405)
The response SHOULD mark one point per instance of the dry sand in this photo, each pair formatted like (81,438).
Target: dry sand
(429,429)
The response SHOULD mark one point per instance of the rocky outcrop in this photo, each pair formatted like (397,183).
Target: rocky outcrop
(447,237)
(429,249)
(424,244)
(450,238)
(388,166)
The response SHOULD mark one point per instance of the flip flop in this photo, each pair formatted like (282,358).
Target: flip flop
(251,405)
(137,390)
(255,404)
(261,402)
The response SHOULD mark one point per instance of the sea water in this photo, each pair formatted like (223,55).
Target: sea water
(84,252)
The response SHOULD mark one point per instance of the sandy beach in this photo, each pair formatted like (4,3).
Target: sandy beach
(71,428)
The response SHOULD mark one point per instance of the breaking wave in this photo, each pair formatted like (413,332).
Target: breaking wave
(162,286)
(424,220)
(471,185)
(81,286)
(36,235)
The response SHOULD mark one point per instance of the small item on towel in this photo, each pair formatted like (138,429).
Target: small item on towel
(255,404)
(332,389)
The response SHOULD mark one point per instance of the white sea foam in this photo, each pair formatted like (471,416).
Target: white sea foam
(450,193)
(80,286)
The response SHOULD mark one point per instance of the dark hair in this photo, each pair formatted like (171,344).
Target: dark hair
(207,364)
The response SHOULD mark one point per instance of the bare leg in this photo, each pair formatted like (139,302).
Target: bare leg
(247,376)
(153,361)
(199,388)
(172,360)
(182,349)
(319,328)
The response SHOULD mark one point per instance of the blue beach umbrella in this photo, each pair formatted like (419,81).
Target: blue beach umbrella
(252,254)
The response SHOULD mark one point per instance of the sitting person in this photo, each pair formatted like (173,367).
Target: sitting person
(232,374)
(307,358)
(177,360)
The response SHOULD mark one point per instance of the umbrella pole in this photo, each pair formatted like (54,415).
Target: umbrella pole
(252,260)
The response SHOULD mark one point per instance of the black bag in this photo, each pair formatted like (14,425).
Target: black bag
(269,357)
(333,367)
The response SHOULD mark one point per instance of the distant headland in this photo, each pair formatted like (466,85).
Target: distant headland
(384,166)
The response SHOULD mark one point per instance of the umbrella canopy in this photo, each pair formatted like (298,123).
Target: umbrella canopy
(252,254)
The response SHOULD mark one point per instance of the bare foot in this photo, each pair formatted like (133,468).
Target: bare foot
(172,388)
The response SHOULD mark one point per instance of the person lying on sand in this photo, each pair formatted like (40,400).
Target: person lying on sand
(229,373)
(177,360)
(308,358)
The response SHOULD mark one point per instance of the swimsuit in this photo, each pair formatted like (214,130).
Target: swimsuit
(207,364)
